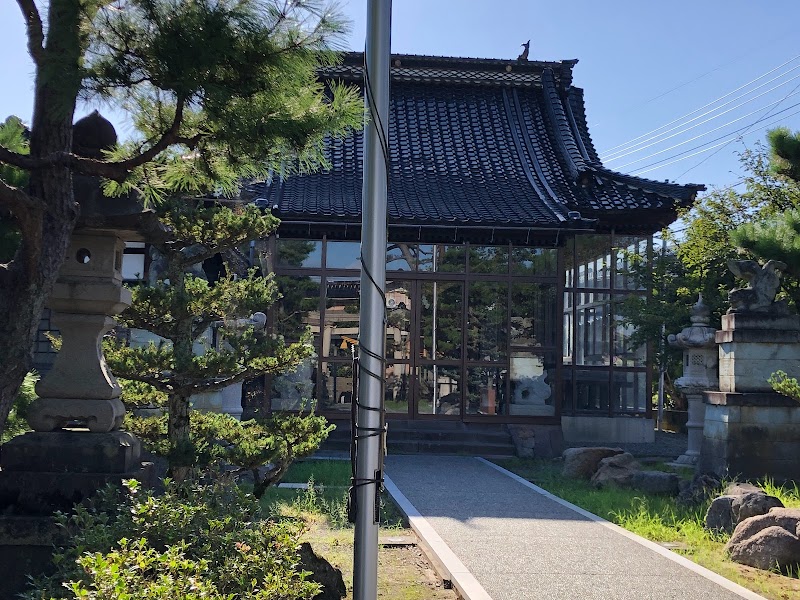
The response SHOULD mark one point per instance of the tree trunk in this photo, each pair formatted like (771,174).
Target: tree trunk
(29,279)
(178,429)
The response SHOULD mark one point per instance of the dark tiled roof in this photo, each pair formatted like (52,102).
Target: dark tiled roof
(476,142)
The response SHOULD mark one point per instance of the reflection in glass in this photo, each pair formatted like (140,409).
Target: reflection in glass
(488,259)
(534,261)
(486,390)
(487,333)
(298,308)
(337,386)
(533,314)
(398,388)
(569,330)
(532,383)
(593,261)
(398,319)
(631,252)
(299,253)
(442,259)
(296,390)
(439,390)
(401,257)
(441,319)
(343,255)
(341,318)
(629,391)
(591,390)
(625,353)
(592,329)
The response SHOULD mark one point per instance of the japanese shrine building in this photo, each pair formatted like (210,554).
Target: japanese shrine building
(508,256)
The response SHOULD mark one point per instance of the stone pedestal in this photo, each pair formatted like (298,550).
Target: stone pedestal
(751,431)
(699,374)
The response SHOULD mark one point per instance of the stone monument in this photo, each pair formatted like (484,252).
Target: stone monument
(751,431)
(700,360)
(76,446)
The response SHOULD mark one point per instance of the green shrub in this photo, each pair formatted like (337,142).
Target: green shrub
(193,541)
(16,424)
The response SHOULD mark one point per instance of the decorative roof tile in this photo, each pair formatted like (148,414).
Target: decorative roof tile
(474,142)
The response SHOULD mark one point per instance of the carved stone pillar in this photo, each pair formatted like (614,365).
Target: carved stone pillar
(700,363)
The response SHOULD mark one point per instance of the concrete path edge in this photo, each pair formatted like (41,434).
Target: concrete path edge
(685,562)
(446,563)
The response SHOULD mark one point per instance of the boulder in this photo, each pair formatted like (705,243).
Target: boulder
(582,463)
(655,482)
(738,489)
(618,470)
(753,504)
(698,490)
(767,541)
(719,516)
(322,572)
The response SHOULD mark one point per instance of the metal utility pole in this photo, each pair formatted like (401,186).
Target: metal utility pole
(369,424)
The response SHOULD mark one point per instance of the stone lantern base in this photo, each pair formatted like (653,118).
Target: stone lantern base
(42,472)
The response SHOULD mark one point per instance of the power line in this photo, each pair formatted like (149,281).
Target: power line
(611,150)
(655,139)
(768,114)
(697,137)
(658,164)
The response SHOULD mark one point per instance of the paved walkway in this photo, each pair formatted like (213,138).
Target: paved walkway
(501,538)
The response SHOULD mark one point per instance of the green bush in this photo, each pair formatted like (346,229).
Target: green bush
(16,424)
(191,542)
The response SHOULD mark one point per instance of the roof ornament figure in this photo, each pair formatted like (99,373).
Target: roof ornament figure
(524,54)
(763,285)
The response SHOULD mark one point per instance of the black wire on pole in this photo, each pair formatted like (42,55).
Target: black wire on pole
(359,431)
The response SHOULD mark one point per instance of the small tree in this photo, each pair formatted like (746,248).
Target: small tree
(181,308)
(218,89)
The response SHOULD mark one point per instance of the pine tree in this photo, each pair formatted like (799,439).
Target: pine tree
(219,89)
(182,308)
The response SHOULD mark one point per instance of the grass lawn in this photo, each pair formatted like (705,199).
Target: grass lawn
(403,571)
(661,519)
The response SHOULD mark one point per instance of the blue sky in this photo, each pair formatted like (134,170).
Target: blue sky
(642,65)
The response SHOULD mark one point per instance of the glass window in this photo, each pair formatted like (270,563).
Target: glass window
(631,256)
(337,386)
(441,319)
(592,329)
(486,390)
(439,391)
(533,314)
(401,257)
(340,330)
(534,261)
(298,308)
(398,388)
(625,353)
(569,329)
(296,390)
(488,259)
(593,261)
(629,391)
(398,320)
(591,390)
(343,255)
(487,311)
(442,259)
(293,254)
(532,381)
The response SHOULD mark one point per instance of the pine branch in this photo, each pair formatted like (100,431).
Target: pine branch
(33,22)
(19,202)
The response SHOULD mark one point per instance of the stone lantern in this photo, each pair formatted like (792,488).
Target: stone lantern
(76,447)
(700,362)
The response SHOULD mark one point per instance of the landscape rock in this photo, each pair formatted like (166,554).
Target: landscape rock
(582,463)
(655,482)
(524,438)
(699,489)
(322,572)
(739,489)
(769,540)
(617,470)
(719,516)
(753,504)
